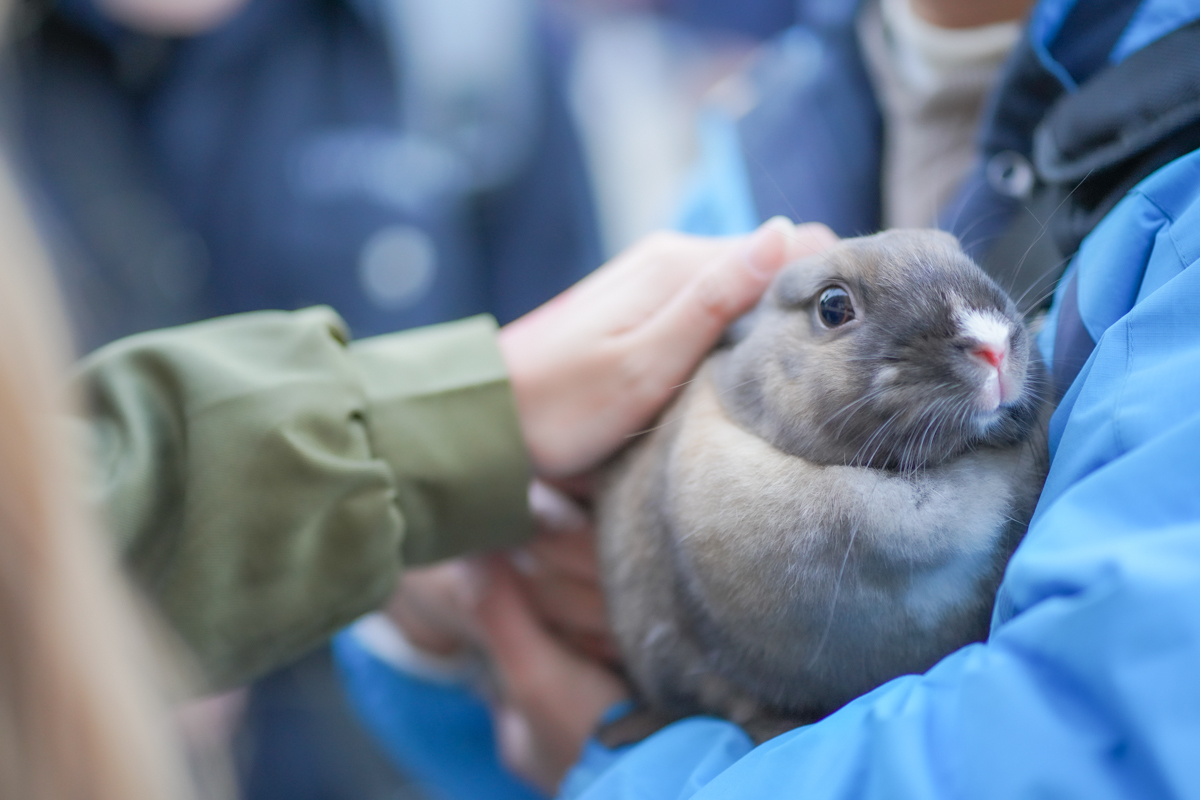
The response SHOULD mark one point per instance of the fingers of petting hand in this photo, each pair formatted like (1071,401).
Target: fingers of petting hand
(691,323)
(631,287)
(671,257)
(808,239)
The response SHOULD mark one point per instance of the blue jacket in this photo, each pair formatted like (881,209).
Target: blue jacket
(1087,684)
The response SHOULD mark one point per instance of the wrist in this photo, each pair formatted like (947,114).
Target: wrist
(532,392)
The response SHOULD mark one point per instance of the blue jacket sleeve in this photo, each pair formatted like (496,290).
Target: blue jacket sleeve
(1087,685)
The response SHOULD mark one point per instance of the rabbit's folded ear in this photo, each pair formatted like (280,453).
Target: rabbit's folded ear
(909,237)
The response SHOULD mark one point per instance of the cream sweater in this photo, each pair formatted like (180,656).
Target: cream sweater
(931,83)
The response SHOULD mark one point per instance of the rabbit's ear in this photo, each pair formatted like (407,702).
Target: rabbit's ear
(800,281)
(797,283)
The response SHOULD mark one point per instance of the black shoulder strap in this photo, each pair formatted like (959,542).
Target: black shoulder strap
(1130,119)
(1090,148)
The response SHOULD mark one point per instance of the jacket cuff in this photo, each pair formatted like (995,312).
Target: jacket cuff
(441,413)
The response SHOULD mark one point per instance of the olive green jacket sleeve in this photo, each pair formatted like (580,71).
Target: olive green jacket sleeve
(265,480)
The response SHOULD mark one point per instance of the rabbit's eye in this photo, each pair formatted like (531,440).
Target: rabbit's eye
(835,307)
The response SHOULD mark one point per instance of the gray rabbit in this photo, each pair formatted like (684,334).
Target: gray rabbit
(831,502)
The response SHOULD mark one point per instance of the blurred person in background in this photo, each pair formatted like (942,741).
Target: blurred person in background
(252,470)
(638,75)
(406,162)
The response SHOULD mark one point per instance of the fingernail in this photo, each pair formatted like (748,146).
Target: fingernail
(764,251)
(814,235)
(555,511)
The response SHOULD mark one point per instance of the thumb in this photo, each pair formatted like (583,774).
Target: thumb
(690,325)
(536,671)
(551,699)
(728,286)
(808,239)
(534,668)
(520,650)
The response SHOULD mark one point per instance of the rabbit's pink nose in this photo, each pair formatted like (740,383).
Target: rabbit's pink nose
(992,354)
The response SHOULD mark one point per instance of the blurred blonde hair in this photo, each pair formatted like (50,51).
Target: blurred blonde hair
(81,714)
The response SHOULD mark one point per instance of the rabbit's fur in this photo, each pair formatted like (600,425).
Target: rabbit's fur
(822,510)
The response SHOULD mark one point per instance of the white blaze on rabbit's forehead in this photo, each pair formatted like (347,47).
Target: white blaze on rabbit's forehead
(985,327)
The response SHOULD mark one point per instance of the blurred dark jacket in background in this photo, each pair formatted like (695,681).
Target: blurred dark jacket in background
(300,154)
